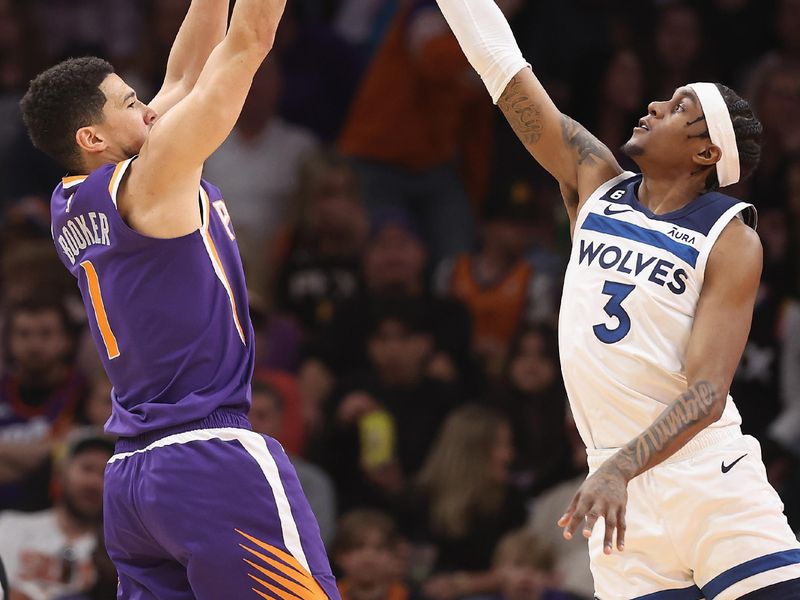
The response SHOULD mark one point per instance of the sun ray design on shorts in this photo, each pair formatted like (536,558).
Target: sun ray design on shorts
(295,582)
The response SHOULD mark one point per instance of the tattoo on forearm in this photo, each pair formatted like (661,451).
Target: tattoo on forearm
(585,146)
(691,408)
(522,113)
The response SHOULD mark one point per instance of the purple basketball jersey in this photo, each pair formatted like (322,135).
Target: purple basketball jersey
(169,316)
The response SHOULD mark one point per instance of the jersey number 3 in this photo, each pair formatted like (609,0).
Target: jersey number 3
(613,308)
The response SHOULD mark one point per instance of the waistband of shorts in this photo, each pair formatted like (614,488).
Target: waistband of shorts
(716,436)
(222,417)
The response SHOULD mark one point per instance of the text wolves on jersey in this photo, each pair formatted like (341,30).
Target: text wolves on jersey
(83,231)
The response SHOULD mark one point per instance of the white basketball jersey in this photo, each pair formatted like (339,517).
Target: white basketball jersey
(630,294)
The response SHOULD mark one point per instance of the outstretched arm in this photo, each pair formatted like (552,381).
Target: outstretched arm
(719,333)
(566,149)
(202,29)
(159,195)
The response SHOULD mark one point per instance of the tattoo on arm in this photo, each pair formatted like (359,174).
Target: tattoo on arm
(679,422)
(584,145)
(523,114)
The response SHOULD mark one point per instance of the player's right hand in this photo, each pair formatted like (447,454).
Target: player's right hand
(603,494)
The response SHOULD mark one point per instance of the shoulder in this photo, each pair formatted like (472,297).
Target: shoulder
(735,261)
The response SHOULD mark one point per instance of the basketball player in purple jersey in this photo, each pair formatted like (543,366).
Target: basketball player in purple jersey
(658,300)
(196,504)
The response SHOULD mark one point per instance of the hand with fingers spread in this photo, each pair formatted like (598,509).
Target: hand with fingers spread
(603,494)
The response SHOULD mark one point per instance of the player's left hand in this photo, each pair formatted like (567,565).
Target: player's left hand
(603,494)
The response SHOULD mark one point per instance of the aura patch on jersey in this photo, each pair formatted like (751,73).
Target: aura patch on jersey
(650,268)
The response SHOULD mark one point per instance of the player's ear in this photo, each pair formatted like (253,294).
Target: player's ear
(90,140)
(707,156)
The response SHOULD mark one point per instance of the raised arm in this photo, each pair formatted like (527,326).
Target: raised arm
(201,31)
(159,195)
(719,333)
(566,149)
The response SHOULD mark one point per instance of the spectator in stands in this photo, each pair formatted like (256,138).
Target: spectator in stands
(571,557)
(96,410)
(525,567)
(463,502)
(678,53)
(619,80)
(105,582)
(418,113)
(366,552)
(775,92)
(319,258)
(496,283)
(49,553)
(40,393)
(532,394)
(394,267)
(257,166)
(278,337)
(383,421)
(266,416)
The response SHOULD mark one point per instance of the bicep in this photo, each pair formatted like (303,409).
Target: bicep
(725,308)
(577,159)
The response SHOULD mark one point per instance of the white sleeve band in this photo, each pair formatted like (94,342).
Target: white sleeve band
(487,41)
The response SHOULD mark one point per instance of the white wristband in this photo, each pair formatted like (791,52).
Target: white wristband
(487,41)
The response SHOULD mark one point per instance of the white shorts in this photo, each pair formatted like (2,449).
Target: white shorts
(703,524)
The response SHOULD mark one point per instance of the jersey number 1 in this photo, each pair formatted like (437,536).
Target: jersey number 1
(613,308)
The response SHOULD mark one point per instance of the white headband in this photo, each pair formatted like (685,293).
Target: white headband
(720,130)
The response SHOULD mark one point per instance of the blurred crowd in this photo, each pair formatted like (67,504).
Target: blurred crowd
(404,256)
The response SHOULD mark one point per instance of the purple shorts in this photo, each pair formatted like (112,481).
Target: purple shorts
(213,513)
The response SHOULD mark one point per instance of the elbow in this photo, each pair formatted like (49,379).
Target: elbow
(253,39)
(712,399)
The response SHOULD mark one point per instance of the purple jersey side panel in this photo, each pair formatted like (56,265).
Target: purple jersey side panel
(169,317)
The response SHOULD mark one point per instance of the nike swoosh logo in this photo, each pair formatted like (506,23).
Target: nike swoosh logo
(608,211)
(725,468)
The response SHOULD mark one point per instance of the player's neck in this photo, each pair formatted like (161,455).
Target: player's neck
(664,195)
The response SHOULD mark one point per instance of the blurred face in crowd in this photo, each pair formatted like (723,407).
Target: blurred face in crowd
(522,582)
(678,37)
(779,101)
(336,214)
(532,370)
(38,344)
(669,140)
(394,260)
(83,485)
(399,354)
(502,454)
(512,238)
(623,87)
(372,561)
(265,414)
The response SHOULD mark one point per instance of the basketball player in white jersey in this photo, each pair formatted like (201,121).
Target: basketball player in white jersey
(656,310)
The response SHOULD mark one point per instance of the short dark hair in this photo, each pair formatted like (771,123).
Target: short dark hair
(61,100)
(747,129)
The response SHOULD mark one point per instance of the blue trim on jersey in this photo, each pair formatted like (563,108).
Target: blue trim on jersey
(656,239)
(690,593)
(699,215)
(722,582)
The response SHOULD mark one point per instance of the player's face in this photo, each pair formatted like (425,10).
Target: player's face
(671,133)
(127,120)
(83,484)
